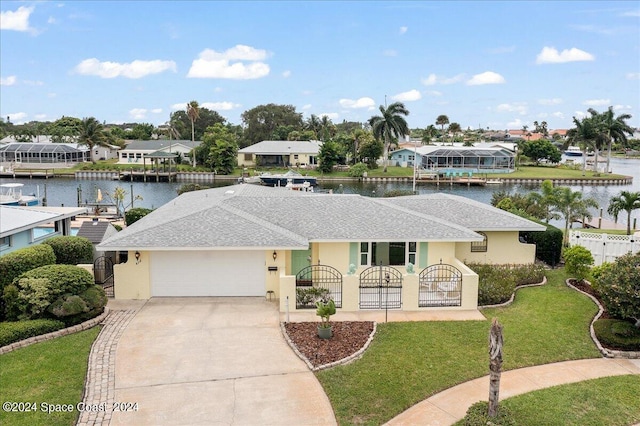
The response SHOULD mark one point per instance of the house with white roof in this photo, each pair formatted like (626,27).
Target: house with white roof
(25,226)
(280,154)
(136,150)
(366,253)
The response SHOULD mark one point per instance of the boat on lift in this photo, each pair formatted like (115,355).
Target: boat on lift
(11,195)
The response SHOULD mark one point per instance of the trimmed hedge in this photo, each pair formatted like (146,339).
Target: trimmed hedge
(64,278)
(13,264)
(11,332)
(617,334)
(496,283)
(135,214)
(71,250)
(548,243)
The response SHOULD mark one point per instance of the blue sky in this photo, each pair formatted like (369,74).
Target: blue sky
(500,65)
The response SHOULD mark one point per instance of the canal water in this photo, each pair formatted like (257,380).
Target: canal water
(65,191)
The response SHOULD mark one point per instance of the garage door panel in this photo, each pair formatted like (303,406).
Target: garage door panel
(208,273)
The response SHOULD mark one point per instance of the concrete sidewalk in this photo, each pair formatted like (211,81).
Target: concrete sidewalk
(449,406)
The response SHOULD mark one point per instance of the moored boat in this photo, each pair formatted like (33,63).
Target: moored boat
(573,151)
(284,178)
(11,195)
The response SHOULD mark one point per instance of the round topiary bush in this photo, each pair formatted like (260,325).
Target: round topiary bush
(71,250)
(577,261)
(13,264)
(135,214)
(63,278)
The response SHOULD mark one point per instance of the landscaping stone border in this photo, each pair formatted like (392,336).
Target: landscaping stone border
(58,333)
(608,353)
(343,361)
(513,296)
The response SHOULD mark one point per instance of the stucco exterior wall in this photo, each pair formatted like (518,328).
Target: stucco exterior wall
(502,248)
(334,254)
(246,163)
(133,280)
(444,252)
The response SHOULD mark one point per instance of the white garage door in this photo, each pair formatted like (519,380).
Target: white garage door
(208,273)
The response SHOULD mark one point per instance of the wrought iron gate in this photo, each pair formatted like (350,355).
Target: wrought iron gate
(103,274)
(318,282)
(440,285)
(381,288)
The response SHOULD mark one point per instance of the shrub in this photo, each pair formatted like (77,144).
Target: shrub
(31,299)
(617,334)
(577,261)
(548,243)
(135,214)
(11,332)
(496,283)
(358,170)
(397,193)
(528,274)
(310,295)
(14,264)
(478,415)
(71,250)
(619,287)
(188,187)
(64,278)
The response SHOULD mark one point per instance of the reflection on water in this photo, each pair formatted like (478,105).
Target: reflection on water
(65,191)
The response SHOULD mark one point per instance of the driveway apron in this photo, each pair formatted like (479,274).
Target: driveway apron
(191,361)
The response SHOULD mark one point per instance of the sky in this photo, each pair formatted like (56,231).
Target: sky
(497,65)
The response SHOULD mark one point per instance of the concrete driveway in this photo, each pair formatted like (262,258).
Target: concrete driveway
(191,361)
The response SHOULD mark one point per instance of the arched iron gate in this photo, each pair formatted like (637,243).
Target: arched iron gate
(380,288)
(440,285)
(103,274)
(318,282)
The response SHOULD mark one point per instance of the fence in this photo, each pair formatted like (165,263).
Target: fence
(605,247)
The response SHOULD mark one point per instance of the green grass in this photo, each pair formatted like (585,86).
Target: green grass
(408,362)
(610,401)
(548,172)
(51,372)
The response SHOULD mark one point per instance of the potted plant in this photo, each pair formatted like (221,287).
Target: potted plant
(324,310)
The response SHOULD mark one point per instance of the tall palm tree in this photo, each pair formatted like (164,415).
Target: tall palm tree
(441,121)
(92,134)
(572,207)
(313,123)
(545,199)
(612,128)
(585,135)
(455,129)
(390,126)
(429,133)
(193,112)
(627,201)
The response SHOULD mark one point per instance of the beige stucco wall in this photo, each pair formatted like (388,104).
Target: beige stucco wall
(133,280)
(502,248)
(272,281)
(438,252)
(334,254)
(246,163)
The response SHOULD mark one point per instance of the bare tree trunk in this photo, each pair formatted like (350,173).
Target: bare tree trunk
(495,366)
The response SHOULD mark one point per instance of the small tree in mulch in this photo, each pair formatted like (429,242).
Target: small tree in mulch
(578,261)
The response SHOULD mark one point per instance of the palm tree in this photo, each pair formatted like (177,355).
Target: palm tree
(313,123)
(627,201)
(193,112)
(572,207)
(613,128)
(586,136)
(429,133)
(455,129)
(441,121)
(389,126)
(92,134)
(545,199)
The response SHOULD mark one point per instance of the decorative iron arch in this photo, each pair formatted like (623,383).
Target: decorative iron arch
(317,282)
(440,285)
(381,288)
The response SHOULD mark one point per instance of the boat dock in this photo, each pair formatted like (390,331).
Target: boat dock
(601,223)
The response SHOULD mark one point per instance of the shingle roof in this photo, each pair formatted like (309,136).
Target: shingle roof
(283,147)
(96,231)
(159,144)
(254,217)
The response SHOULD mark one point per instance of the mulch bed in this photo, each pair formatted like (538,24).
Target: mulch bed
(581,285)
(348,338)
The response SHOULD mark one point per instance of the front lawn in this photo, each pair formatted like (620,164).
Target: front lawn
(408,362)
(51,372)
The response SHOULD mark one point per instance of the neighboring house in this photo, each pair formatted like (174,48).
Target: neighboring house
(44,153)
(97,231)
(470,160)
(136,150)
(280,154)
(407,156)
(25,226)
(371,253)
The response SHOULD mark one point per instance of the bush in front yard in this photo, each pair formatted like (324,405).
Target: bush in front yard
(62,291)
(71,250)
(11,332)
(548,243)
(135,214)
(496,283)
(14,264)
(619,287)
(577,261)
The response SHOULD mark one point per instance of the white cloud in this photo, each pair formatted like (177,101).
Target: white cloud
(306,106)
(16,21)
(487,77)
(632,14)
(597,102)
(33,82)
(515,124)
(157,110)
(411,95)
(633,76)
(17,117)
(434,79)
(40,117)
(138,113)
(220,106)
(217,90)
(434,93)
(519,107)
(9,81)
(552,101)
(51,95)
(558,114)
(286,74)
(403,30)
(365,102)
(330,115)
(550,55)
(51,20)
(622,107)
(135,69)
(227,64)
(390,52)
(580,114)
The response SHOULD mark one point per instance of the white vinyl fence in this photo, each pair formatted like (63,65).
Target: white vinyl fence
(605,247)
